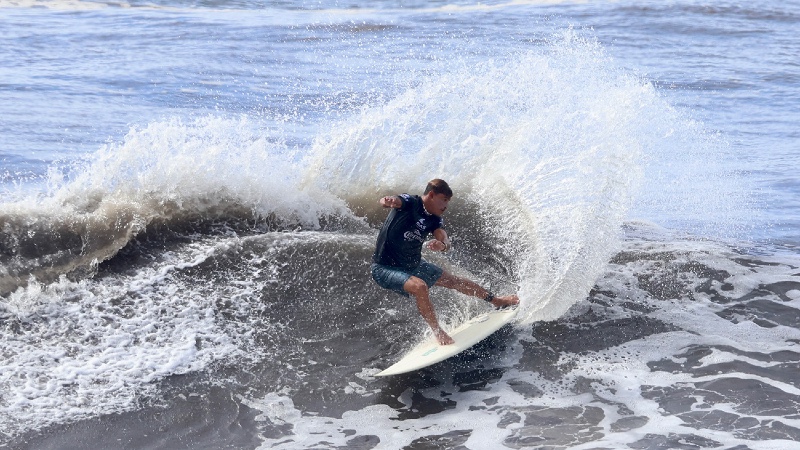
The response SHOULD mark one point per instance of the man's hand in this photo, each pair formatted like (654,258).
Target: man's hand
(437,245)
(391,201)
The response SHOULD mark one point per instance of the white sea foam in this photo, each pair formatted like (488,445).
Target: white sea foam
(85,348)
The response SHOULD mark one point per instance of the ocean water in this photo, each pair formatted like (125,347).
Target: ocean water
(188,207)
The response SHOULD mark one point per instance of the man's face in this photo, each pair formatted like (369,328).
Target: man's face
(436,203)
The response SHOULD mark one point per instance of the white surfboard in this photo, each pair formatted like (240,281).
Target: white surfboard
(466,335)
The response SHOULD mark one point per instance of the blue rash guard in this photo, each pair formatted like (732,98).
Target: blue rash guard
(402,235)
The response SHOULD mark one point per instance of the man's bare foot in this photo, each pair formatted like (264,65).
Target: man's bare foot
(443,338)
(504,301)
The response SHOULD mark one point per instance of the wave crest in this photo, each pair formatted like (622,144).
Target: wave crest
(169,174)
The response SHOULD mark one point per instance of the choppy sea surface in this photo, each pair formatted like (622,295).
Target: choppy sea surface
(188,206)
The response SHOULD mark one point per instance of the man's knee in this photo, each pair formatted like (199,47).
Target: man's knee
(415,286)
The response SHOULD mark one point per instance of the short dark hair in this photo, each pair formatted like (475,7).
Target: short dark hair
(438,186)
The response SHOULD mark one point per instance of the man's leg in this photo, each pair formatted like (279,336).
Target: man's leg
(419,290)
(469,287)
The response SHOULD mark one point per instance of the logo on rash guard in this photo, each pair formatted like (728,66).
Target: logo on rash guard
(413,236)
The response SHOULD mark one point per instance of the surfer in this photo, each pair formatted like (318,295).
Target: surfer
(397,264)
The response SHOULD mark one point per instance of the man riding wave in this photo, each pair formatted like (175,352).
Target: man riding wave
(397,263)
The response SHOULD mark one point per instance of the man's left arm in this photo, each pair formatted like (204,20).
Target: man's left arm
(441,242)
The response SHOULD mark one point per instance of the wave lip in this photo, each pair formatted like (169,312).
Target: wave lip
(167,175)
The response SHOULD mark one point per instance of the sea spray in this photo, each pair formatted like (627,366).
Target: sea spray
(547,144)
